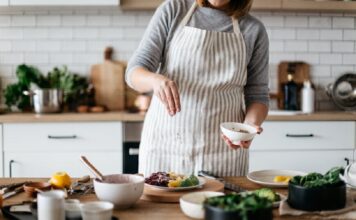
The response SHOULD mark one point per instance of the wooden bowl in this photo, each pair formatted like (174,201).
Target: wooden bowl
(30,188)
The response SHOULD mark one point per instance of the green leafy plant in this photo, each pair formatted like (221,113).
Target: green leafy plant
(312,180)
(72,85)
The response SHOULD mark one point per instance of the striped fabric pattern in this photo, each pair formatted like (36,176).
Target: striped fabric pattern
(210,71)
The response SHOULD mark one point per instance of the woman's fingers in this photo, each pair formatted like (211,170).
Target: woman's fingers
(170,100)
(229,143)
(176,98)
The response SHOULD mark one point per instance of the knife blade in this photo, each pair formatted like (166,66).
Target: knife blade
(227,185)
(13,193)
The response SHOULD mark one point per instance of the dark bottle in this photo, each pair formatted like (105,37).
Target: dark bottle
(290,94)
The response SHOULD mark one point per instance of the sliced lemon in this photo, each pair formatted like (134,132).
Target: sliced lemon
(282,179)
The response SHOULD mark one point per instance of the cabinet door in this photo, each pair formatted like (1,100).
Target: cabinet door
(4,2)
(64,2)
(45,164)
(307,161)
(266,4)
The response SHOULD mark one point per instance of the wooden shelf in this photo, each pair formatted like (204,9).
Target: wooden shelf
(263,5)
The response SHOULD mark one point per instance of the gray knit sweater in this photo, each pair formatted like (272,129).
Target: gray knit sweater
(158,36)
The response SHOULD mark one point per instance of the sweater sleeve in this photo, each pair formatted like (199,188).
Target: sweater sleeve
(256,88)
(150,50)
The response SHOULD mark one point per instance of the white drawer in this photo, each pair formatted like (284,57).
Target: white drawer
(306,135)
(307,161)
(63,137)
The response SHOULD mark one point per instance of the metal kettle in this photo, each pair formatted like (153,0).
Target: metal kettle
(343,91)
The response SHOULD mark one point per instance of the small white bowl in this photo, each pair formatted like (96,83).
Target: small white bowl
(192,203)
(72,208)
(231,131)
(123,190)
(97,210)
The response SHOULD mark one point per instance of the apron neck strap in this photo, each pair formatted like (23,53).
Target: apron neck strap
(187,17)
(184,22)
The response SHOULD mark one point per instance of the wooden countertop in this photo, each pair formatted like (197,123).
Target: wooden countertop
(147,210)
(139,117)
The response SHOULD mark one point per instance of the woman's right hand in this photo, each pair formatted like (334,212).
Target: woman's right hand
(167,91)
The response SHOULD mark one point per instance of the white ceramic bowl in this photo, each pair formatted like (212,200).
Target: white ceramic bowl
(123,190)
(97,210)
(72,208)
(192,203)
(231,131)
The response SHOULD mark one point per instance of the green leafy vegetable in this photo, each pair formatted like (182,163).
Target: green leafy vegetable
(312,180)
(190,181)
(244,203)
(268,194)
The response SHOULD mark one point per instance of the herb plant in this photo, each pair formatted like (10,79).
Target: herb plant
(313,180)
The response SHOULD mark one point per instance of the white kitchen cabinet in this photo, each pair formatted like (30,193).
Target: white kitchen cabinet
(44,164)
(39,149)
(4,2)
(64,2)
(306,146)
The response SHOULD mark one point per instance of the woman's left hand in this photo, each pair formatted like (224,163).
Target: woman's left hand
(241,144)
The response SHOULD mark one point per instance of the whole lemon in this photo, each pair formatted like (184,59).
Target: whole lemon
(61,180)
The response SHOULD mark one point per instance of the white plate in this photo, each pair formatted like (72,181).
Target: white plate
(202,181)
(265,177)
(276,204)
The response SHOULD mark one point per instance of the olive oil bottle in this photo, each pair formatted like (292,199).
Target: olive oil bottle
(291,94)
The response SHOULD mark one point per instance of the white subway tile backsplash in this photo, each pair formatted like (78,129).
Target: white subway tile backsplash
(343,22)
(349,34)
(331,34)
(77,38)
(343,46)
(23,21)
(296,46)
(283,34)
(48,20)
(320,22)
(5,46)
(331,58)
(319,46)
(296,21)
(308,34)
(73,20)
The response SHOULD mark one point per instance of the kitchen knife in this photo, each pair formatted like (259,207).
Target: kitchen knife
(13,193)
(229,186)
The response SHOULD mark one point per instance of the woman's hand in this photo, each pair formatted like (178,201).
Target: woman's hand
(241,144)
(167,91)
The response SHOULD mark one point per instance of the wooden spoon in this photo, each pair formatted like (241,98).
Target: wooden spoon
(93,169)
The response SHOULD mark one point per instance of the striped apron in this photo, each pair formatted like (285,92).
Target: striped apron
(210,70)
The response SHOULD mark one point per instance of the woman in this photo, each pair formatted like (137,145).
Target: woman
(206,62)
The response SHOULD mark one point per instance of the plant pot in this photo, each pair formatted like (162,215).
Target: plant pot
(216,213)
(317,199)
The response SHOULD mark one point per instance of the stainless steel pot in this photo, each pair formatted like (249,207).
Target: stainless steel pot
(343,91)
(46,100)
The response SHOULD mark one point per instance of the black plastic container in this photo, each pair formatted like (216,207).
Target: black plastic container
(317,199)
(215,213)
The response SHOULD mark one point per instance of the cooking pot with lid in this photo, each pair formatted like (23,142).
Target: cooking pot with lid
(343,91)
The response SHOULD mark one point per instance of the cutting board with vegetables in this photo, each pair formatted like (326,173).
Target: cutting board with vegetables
(157,195)
(108,79)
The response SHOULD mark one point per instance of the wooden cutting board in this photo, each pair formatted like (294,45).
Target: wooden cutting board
(108,79)
(157,195)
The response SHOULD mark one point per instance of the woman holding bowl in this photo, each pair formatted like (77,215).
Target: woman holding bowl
(206,62)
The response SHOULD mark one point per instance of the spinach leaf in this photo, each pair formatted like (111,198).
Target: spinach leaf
(312,180)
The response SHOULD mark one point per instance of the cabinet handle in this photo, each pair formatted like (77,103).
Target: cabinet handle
(133,151)
(10,167)
(299,135)
(347,161)
(62,137)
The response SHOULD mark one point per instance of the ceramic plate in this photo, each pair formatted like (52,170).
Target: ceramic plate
(265,177)
(276,204)
(174,189)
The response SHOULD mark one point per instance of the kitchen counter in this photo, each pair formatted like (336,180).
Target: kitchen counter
(139,117)
(148,210)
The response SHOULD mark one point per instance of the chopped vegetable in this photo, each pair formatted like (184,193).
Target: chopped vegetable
(171,179)
(282,179)
(313,180)
(268,194)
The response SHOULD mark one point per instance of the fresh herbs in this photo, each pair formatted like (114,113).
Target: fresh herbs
(268,194)
(243,203)
(312,180)
(28,77)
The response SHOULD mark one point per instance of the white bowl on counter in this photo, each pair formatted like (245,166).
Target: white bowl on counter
(97,210)
(236,132)
(192,203)
(123,190)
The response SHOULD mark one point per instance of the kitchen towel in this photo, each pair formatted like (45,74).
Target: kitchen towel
(347,213)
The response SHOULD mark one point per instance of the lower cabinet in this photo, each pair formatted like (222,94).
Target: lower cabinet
(40,149)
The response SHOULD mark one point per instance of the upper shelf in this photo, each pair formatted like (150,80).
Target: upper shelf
(258,5)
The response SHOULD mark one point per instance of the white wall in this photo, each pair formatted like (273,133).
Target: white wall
(77,38)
